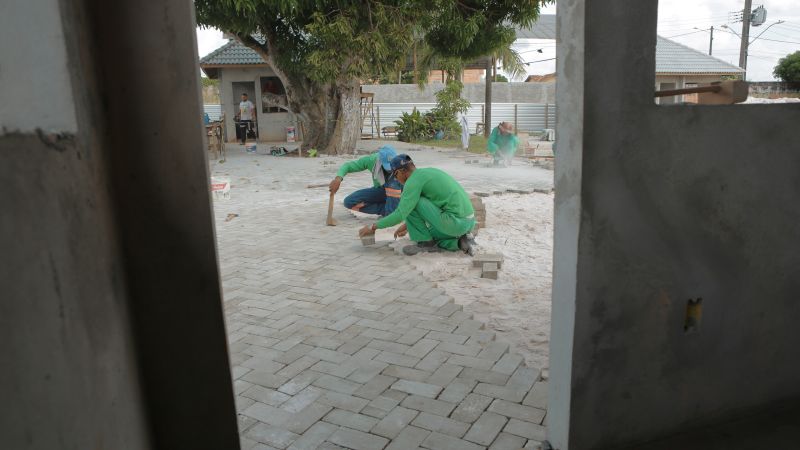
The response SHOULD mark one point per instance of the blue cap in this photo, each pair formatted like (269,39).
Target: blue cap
(386,153)
(400,161)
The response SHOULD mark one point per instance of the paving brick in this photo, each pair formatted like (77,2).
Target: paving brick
(526,430)
(357,440)
(243,403)
(412,336)
(441,424)
(350,420)
(494,350)
(444,375)
(459,349)
(343,401)
(507,364)
(517,411)
(354,344)
(374,412)
(265,379)
(502,392)
(343,323)
(534,445)
(438,441)
(417,388)
(397,359)
(486,428)
(328,355)
(375,387)
(270,435)
(296,367)
(432,361)
(537,397)
(314,436)
(394,422)
(336,384)
(409,439)
(484,376)
(265,395)
(441,326)
(422,348)
(406,373)
(393,347)
(438,407)
(268,414)
(470,361)
(304,398)
(524,378)
(300,382)
(457,390)
(471,408)
(385,403)
(447,337)
(366,371)
(303,420)
(505,441)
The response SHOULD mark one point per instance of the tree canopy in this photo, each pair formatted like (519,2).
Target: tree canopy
(322,49)
(788,68)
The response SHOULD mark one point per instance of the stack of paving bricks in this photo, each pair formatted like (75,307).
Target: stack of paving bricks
(489,264)
(480,212)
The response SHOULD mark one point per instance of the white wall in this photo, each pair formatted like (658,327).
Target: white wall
(271,126)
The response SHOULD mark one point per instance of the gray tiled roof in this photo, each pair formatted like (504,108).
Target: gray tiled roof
(675,58)
(231,53)
(544,28)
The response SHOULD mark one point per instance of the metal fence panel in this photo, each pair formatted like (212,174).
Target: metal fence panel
(526,116)
(214,111)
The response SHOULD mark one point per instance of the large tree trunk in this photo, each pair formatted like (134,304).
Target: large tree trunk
(331,113)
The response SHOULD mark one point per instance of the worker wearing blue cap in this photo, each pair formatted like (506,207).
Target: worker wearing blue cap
(437,211)
(384,195)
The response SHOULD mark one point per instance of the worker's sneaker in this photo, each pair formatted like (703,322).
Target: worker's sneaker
(466,244)
(421,247)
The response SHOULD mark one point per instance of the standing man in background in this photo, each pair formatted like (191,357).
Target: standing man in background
(247,114)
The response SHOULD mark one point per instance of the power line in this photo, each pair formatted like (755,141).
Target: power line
(685,34)
(541,60)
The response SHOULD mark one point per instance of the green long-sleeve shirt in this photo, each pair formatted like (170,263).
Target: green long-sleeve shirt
(507,143)
(368,162)
(435,185)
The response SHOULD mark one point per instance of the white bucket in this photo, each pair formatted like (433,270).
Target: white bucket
(250,148)
(221,188)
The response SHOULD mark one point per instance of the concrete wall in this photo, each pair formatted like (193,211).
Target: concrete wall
(501,92)
(656,205)
(271,126)
(111,327)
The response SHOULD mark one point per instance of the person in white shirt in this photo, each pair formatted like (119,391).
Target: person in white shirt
(247,114)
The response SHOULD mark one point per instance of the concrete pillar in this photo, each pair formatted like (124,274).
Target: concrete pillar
(111,324)
(657,207)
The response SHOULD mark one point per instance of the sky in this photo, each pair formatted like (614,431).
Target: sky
(680,20)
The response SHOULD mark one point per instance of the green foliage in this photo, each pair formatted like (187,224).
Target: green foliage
(412,127)
(441,119)
(500,79)
(206,82)
(788,68)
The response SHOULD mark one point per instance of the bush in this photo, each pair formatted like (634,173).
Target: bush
(412,127)
(440,121)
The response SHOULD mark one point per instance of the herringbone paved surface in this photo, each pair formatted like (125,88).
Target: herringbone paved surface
(334,345)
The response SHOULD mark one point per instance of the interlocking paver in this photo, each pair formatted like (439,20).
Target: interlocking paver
(357,440)
(486,428)
(334,345)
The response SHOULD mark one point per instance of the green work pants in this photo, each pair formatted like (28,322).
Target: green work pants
(428,222)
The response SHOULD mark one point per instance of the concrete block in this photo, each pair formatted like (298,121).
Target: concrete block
(479,259)
(368,240)
(444,442)
(350,420)
(486,428)
(430,405)
(517,411)
(409,439)
(357,440)
(483,194)
(391,425)
(507,441)
(417,388)
(526,430)
(471,408)
(489,270)
(441,424)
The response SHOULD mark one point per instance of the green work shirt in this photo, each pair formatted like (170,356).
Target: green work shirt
(504,142)
(368,162)
(438,187)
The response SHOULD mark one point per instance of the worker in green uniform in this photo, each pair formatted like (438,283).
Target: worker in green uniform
(382,198)
(437,211)
(502,144)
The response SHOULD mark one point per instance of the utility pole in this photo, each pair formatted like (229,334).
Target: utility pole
(711,42)
(746,15)
(487,115)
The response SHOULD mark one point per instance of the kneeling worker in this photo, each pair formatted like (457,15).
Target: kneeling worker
(502,143)
(384,195)
(437,211)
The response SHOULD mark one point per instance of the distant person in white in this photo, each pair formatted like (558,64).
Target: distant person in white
(247,114)
(462,120)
